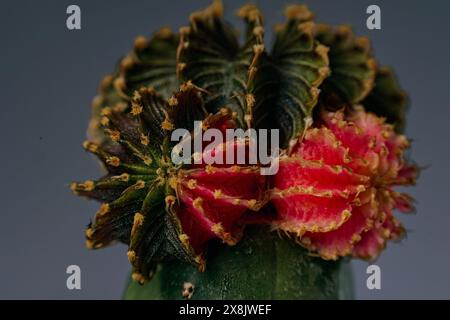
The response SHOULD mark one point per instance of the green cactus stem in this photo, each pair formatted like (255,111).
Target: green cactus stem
(262,266)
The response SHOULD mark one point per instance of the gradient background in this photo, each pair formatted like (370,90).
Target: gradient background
(48,78)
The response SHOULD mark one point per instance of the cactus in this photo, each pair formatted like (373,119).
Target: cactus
(336,188)
(179,219)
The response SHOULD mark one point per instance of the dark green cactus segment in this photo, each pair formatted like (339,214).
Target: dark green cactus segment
(351,63)
(253,49)
(107,96)
(114,220)
(387,99)
(121,196)
(149,107)
(261,266)
(287,80)
(254,33)
(185,107)
(211,57)
(152,63)
(156,233)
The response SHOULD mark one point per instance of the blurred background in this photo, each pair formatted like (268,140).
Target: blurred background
(50,74)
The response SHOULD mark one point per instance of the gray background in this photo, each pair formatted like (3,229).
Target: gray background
(49,76)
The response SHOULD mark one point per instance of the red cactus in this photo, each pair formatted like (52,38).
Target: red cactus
(213,201)
(214,198)
(335,189)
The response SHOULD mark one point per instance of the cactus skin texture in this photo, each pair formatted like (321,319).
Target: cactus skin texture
(174,218)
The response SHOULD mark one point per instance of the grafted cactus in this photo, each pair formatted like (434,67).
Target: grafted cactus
(179,219)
